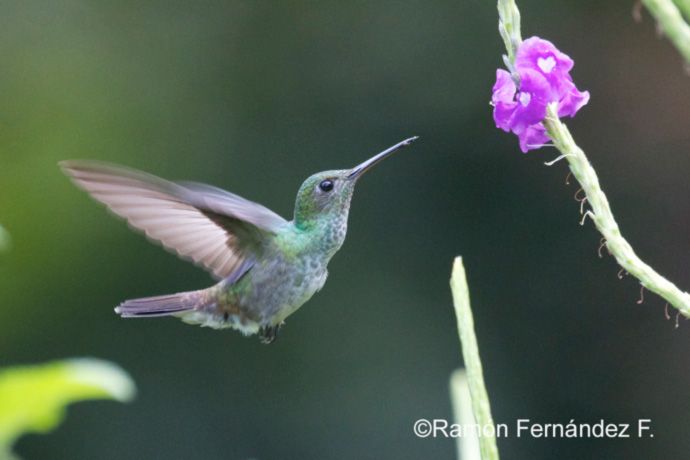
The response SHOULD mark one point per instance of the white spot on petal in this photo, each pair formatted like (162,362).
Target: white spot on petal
(546,64)
(524,98)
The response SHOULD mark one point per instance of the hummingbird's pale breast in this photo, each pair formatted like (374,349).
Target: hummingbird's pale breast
(293,269)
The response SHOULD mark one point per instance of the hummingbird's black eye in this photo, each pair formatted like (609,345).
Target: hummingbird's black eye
(326,185)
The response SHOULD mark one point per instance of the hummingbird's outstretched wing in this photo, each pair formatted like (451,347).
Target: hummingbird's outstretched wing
(216,229)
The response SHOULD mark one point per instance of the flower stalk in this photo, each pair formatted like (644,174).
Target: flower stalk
(603,218)
(671,22)
(473,364)
(509,28)
(684,6)
(585,174)
(467,445)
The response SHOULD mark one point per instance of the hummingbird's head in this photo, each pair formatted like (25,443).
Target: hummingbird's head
(328,193)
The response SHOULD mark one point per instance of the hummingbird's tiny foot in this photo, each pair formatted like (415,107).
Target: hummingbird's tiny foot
(268,334)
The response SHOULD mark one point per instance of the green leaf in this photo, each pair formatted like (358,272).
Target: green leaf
(34,398)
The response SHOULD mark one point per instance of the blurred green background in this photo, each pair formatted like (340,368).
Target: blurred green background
(253,97)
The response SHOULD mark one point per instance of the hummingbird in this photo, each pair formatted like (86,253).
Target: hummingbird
(266,267)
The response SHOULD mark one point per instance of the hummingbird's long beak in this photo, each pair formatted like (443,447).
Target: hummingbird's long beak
(367,165)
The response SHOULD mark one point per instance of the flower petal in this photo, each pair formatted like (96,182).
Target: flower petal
(541,55)
(533,137)
(504,89)
(532,99)
(572,101)
(503,99)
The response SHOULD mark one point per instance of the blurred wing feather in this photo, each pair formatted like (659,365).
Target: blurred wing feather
(209,226)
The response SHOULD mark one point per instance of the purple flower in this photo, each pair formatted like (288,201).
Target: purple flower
(544,77)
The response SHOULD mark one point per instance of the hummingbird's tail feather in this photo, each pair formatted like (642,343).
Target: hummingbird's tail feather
(162,305)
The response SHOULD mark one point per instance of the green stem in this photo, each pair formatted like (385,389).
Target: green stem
(672,23)
(473,364)
(684,6)
(467,445)
(603,218)
(509,28)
